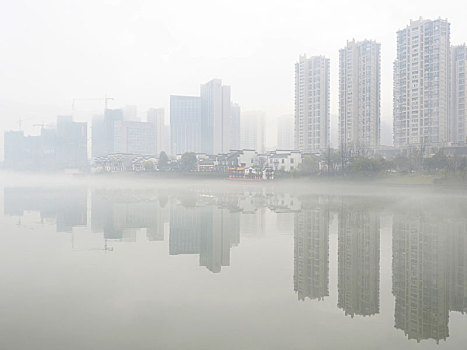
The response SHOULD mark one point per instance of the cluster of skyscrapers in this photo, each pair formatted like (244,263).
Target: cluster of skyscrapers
(209,123)
(429,93)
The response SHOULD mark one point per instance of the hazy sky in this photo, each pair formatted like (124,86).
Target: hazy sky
(140,52)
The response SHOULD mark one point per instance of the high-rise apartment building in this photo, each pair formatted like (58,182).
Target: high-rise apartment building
(421,85)
(458,112)
(359,96)
(312,104)
(185,124)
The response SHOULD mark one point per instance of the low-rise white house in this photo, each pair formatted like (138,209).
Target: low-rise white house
(284,160)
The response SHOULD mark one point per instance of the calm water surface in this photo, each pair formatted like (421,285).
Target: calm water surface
(231,267)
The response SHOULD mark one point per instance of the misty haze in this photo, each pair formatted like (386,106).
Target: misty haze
(233,174)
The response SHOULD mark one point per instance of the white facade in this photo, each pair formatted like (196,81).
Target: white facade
(247,158)
(359,96)
(312,104)
(421,84)
(284,160)
(458,112)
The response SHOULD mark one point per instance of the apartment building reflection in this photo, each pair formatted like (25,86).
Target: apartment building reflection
(120,215)
(429,271)
(311,250)
(358,258)
(458,267)
(205,230)
(67,206)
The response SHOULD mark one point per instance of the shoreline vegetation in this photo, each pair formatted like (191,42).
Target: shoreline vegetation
(413,169)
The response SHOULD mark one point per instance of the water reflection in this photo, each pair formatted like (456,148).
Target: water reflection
(204,230)
(120,214)
(358,241)
(429,270)
(429,241)
(311,250)
(67,207)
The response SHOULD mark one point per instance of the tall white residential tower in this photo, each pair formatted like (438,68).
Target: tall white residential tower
(312,104)
(458,112)
(359,96)
(421,85)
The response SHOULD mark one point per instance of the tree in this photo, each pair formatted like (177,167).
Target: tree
(149,165)
(309,165)
(188,162)
(365,166)
(437,162)
(403,164)
(163,161)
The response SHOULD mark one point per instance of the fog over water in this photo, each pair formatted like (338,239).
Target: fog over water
(163,264)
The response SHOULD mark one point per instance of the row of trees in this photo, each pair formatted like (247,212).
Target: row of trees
(187,163)
(334,163)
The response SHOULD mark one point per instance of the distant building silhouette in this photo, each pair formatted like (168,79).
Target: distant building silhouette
(252,129)
(185,124)
(103,132)
(285,133)
(233,129)
(114,134)
(134,137)
(155,116)
(54,149)
(215,117)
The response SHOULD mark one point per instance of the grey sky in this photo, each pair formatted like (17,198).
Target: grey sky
(140,52)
